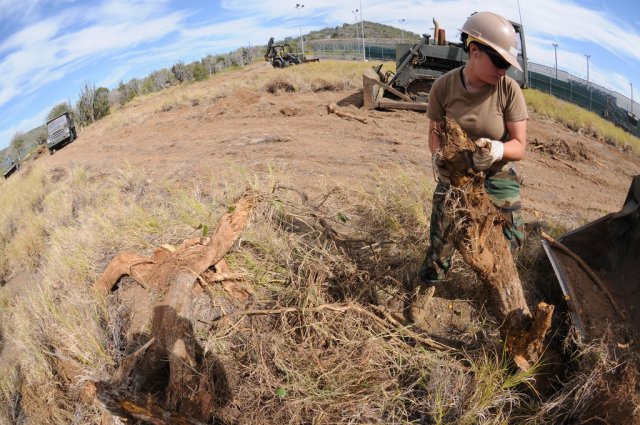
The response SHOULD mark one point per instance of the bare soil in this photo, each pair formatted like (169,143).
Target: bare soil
(568,178)
(574,178)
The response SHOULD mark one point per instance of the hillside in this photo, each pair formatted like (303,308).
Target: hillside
(372,30)
(301,321)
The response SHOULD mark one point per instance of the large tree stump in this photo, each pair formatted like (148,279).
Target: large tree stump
(479,238)
(172,347)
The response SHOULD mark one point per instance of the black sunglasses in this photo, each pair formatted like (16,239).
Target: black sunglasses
(495,57)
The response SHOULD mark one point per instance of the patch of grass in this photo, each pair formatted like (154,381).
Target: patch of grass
(313,77)
(579,119)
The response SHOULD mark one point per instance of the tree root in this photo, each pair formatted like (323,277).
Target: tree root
(479,238)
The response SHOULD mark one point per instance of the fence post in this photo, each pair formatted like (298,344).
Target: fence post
(570,91)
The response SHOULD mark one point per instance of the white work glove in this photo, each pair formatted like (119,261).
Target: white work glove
(488,152)
(442,174)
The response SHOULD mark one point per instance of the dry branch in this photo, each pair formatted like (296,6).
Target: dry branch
(333,109)
(386,322)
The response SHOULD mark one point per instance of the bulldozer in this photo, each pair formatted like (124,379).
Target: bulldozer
(281,55)
(598,268)
(419,65)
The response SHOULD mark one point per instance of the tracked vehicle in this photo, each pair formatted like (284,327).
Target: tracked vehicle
(281,55)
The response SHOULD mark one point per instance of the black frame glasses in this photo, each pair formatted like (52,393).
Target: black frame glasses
(497,60)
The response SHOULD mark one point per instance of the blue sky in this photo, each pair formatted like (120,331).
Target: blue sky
(49,49)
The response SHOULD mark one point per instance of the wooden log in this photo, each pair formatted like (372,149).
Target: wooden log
(333,109)
(479,238)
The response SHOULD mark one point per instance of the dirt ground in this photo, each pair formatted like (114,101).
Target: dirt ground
(567,177)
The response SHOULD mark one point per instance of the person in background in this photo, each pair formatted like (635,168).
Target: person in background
(490,107)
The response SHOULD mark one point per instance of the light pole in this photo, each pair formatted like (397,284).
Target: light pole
(355,19)
(364,55)
(298,7)
(587,56)
(402,28)
(555,48)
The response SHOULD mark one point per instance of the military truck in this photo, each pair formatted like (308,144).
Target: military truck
(61,131)
(9,166)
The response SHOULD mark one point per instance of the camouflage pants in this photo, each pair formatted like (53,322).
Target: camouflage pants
(504,190)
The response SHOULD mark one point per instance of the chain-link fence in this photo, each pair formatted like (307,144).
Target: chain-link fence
(350,49)
(606,103)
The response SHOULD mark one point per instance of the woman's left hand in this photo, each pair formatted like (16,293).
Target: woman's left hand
(488,152)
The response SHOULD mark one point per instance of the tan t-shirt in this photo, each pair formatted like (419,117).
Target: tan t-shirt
(481,114)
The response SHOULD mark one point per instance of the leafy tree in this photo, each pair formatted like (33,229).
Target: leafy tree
(164,79)
(199,71)
(209,63)
(17,144)
(130,89)
(247,56)
(41,135)
(180,71)
(60,109)
(117,95)
(148,84)
(101,103)
(221,63)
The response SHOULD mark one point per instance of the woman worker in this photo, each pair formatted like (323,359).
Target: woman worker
(490,108)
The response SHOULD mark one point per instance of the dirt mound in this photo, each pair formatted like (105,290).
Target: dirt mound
(559,148)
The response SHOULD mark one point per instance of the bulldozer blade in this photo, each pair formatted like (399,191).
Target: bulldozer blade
(610,249)
(373,90)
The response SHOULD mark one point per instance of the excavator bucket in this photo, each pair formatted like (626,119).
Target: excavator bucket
(598,266)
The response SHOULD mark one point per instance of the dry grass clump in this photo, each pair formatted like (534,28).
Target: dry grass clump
(315,77)
(602,387)
(50,319)
(315,343)
(278,84)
